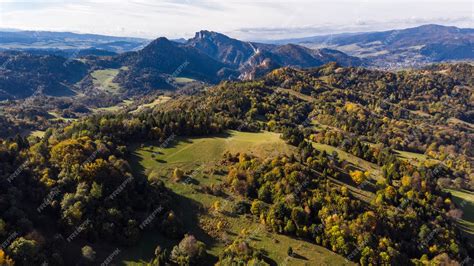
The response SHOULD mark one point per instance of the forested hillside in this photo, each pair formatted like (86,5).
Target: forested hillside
(365,168)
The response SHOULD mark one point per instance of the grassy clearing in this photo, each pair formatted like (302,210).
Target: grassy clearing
(459,121)
(200,156)
(298,95)
(412,156)
(58,117)
(465,200)
(113,108)
(183,80)
(103,79)
(161,99)
(364,165)
(37,133)
(189,153)
(360,192)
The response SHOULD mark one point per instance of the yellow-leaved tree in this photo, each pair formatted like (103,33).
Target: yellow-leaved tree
(5,260)
(358,176)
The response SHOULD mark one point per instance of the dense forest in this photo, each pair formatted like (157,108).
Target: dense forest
(74,185)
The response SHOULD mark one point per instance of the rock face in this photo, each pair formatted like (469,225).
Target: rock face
(252,58)
(222,48)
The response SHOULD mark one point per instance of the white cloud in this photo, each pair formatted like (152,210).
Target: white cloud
(243,19)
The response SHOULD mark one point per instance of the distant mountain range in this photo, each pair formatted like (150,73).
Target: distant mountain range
(399,48)
(67,43)
(211,57)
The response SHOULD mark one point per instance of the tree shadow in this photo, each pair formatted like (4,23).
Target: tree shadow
(188,210)
(298,256)
(270,261)
(256,238)
(190,181)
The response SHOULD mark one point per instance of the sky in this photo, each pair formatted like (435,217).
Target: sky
(243,19)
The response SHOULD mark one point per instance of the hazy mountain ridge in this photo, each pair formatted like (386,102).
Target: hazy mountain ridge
(400,48)
(46,40)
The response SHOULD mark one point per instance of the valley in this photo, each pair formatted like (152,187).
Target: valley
(217,151)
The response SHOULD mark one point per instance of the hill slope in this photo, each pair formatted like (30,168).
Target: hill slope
(22,74)
(356,183)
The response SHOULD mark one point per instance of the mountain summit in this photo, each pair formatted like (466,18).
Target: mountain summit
(223,48)
(212,57)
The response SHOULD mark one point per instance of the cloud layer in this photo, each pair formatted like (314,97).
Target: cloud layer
(245,19)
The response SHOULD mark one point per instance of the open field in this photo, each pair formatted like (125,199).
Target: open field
(58,117)
(37,133)
(198,157)
(103,79)
(114,108)
(189,153)
(299,95)
(465,200)
(161,99)
(458,121)
(412,156)
(360,192)
(364,165)
(183,80)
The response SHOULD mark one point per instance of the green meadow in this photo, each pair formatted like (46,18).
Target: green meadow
(103,79)
(200,159)
(465,200)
